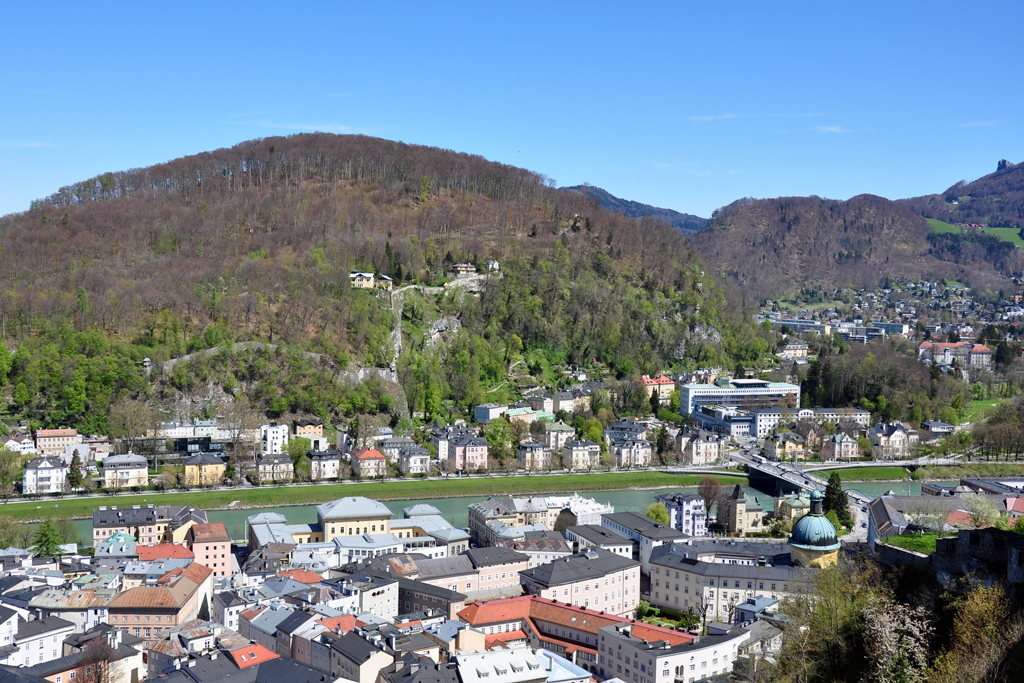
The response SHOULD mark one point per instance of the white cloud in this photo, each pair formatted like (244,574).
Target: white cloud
(717,117)
(977,124)
(831,129)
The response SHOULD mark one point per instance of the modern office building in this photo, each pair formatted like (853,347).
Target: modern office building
(745,394)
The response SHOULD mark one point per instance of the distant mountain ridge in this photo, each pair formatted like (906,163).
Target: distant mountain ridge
(773,247)
(686,223)
(996,199)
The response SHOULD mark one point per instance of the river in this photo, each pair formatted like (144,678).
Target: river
(455,509)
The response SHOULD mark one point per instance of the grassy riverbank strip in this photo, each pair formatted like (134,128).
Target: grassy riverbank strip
(996,469)
(870,474)
(275,496)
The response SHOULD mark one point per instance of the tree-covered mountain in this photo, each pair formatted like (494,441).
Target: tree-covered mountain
(996,199)
(685,223)
(255,243)
(772,247)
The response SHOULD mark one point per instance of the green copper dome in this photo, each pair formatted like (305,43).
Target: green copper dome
(813,531)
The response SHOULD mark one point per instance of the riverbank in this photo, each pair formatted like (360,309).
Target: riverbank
(998,469)
(278,496)
(863,474)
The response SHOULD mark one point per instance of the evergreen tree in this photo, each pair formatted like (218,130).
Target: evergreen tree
(138,534)
(836,499)
(655,402)
(47,540)
(75,472)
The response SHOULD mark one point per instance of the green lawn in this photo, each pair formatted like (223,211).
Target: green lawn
(272,496)
(870,473)
(979,410)
(998,469)
(1006,234)
(942,226)
(1011,235)
(922,543)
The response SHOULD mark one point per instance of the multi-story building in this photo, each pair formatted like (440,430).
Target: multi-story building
(278,467)
(368,463)
(580,454)
(360,280)
(785,446)
(704,448)
(203,469)
(154,524)
(44,475)
(392,448)
(746,394)
(767,420)
(441,440)
(686,512)
(792,507)
(467,452)
(712,579)
(889,441)
(596,536)
(644,531)
(661,385)
(556,433)
(630,453)
(32,642)
(967,353)
(19,444)
(324,464)
(678,658)
(626,430)
(723,420)
(533,456)
(839,447)
(274,438)
(211,546)
(51,442)
(485,412)
(594,578)
(744,512)
(313,427)
(356,659)
(353,515)
(414,460)
(124,471)
(147,612)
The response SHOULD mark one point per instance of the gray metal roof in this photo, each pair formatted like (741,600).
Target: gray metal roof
(31,629)
(599,535)
(644,526)
(590,564)
(353,507)
(488,557)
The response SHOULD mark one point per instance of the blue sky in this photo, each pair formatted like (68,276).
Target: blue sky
(683,105)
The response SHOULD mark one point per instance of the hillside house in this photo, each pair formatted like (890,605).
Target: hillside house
(360,280)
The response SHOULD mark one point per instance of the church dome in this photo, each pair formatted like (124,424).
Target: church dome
(813,531)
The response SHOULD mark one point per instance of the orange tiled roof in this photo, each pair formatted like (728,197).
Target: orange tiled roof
(654,381)
(251,614)
(50,433)
(164,551)
(342,624)
(251,655)
(510,636)
(367,453)
(302,576)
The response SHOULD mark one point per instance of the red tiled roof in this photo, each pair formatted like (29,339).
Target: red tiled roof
(960,518)
(251,655)
(342,624)
(367,453)
(510,636)
(653,381)
(164,551)
(302,576)
(44,433)
(1015,504)
(251,614)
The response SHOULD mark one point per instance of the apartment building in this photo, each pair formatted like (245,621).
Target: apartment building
(211,546)
(593,578)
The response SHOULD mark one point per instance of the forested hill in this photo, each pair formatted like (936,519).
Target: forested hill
(772,247)
(256,242)
(996,199)
(685,223)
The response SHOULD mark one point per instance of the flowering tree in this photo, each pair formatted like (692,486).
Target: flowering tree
(896,640)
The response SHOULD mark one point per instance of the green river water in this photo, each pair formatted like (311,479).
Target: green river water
(454,509)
